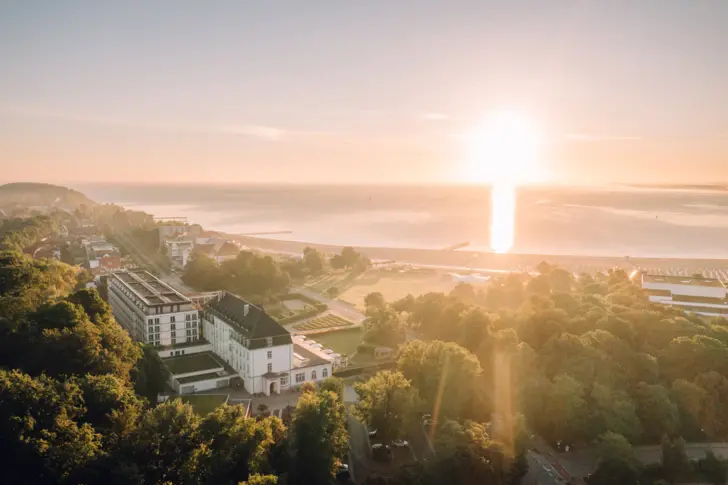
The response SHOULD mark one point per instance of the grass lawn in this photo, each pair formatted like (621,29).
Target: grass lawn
(327,321)
(204,404)
(343,342)
(191,363)
(394,287)
(294,305)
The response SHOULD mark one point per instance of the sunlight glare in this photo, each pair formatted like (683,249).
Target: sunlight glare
(504,154)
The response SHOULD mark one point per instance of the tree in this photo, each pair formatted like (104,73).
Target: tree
(675,462)
(335,385)
(375,301)
(233,447)
(467,454)
(444,374)
(658,414)
(313,260)
(261,480)
(162,442)
(319,438)
(384,327)
(565,410)
(42,438)
(149,375)
(386,403)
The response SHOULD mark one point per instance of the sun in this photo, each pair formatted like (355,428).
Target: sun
(504,149)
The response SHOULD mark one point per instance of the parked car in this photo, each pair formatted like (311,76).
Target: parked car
(381,452)
(400,444)
(372,433)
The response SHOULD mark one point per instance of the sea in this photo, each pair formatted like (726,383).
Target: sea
(586,221)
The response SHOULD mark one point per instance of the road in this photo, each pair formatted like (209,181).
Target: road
(540,471)
(336,307)
(584,461)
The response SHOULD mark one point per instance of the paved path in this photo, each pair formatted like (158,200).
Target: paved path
(336,307)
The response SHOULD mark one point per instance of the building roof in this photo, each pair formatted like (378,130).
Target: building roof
(149,288)
(311,358)
(251,321)
(228,249)
(682,280)
(189,363)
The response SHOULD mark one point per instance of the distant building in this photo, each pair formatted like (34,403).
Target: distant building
(152,311)
(98,248)
(703,296)
(171,230)
(220,250)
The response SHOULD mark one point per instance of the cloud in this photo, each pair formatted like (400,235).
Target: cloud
(433,116)
(259,131)
(251,130)
(589,137)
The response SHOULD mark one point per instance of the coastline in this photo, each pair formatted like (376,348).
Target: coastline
(492,262)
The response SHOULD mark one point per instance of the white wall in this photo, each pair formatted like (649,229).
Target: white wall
(308,371)
(687,290)
(206,385)
(193,349)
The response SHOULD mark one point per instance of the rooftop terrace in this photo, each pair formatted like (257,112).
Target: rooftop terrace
(150,289)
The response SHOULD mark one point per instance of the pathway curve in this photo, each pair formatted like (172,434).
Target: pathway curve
(337,307)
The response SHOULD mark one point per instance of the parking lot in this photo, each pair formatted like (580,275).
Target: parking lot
(361,462)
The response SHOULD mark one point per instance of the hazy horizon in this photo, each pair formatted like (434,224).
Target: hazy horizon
(233,92)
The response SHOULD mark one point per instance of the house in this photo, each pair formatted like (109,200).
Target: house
(96,248)
(179,249)
(258,349)
(171,230)
(703,296)
(218,249)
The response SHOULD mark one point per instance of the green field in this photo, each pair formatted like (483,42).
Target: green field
(320,323)
(204,404)
(343,342)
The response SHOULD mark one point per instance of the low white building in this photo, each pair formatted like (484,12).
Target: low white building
(703,296)
(152,311)
(259,349)
(197,372)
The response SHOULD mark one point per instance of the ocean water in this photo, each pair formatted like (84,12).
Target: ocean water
(581,221)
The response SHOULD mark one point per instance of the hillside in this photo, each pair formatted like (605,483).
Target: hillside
(28,194)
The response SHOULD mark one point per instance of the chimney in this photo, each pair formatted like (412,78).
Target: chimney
(246,309)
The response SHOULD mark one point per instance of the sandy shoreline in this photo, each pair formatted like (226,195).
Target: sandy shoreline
(478,261)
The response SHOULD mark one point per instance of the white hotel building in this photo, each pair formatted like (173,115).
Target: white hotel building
(230,338)
(702,296)
(152,311)
(263,353)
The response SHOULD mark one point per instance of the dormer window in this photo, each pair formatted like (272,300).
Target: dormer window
(269,341)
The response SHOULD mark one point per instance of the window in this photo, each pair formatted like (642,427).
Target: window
(172,326)
(188,317)
(325,372)
(313,375)
(188,324)
(174,334)
(156,321)
(269,341)
(156,328)
(270,354)
(284,380)
(174,340)
(171,319)
(270,367)
(300,377)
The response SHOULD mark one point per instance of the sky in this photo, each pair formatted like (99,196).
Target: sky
(374,91)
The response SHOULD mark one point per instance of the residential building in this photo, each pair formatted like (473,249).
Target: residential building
(179,249)
(151,310)
(97,248)
(703,296)
(218,249)
(171,230)
(260,350)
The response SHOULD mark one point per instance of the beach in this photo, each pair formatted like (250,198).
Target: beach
(491,262)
